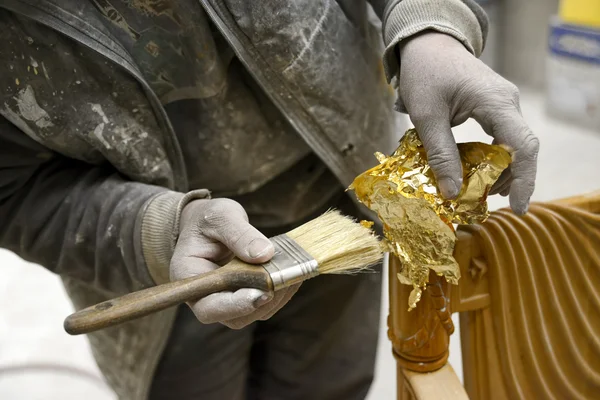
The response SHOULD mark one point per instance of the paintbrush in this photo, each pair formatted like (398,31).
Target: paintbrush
(329,244)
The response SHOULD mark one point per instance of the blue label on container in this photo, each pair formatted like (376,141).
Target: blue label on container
(574,42)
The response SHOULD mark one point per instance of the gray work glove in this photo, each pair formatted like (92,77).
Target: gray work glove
(442,85)
(211,232)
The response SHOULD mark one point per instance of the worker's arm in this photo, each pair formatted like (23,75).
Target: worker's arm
(93,225)
(74,219)
(89,222)
(464,20)
(431,49)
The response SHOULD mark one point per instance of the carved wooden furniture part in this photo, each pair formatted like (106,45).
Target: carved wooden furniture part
(529,304)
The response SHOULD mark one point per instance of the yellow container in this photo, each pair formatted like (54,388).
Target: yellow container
(580,12)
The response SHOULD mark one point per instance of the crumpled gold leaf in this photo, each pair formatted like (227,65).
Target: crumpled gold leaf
(417,221)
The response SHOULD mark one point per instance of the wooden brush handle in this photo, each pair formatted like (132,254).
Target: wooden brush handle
(233,276)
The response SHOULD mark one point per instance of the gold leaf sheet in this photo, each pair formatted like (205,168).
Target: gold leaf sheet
(417,221)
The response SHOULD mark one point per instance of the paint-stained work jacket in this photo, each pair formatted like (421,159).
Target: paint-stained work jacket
(101,209)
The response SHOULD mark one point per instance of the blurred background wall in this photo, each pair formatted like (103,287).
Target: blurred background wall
(520,34)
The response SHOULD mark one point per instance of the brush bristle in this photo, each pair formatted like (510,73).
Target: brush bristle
(338,243)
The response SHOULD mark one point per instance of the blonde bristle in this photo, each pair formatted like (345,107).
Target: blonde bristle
(338,243)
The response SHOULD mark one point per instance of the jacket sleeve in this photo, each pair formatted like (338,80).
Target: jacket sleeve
(79,220)
(463,19)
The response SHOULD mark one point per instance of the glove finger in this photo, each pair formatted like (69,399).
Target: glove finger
(287,296)
(442,153)
(186,267)
(502,182)
(227,222)
(224,306)
(257,314)
(496,189)
(509,128)
(195,246)
(264,312)
(505,190)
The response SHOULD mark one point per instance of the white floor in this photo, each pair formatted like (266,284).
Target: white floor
(33,304)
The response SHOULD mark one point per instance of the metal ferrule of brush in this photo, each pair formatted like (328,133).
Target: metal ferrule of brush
(291,264)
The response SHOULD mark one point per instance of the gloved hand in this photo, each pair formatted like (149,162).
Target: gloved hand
(442,85)
(212,232)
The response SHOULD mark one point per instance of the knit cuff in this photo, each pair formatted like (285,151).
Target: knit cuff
(160,230)
(405,18)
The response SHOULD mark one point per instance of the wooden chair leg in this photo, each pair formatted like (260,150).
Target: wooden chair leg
(420,338)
